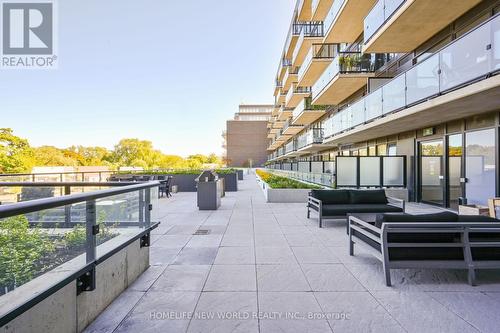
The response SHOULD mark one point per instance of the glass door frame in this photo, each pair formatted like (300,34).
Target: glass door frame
(418,169)
(446,180)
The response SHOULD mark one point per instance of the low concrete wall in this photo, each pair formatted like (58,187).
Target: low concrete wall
(64,311)
(290,195)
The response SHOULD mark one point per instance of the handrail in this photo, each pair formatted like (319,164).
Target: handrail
(48,203)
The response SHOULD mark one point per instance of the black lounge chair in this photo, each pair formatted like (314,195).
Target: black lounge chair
(335,204)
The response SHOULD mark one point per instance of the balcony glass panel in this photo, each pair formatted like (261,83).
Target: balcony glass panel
(337,123)
(423,80)
(374,20)
(332,14)
(328,127)
(394,94)
(369,171)
(373,105)
(380,13)
(358,113)
(391,6)
(466,59)
(344,121)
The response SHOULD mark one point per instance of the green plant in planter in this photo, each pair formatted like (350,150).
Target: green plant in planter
(21,247)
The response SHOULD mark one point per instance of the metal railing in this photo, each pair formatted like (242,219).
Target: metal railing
(69,251)
(465,60)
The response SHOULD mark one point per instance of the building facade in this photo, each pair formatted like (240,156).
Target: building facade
(410,78)
(245,137)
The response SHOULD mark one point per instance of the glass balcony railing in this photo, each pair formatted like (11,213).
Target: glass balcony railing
(333,13)
(378,15)
(306,105)
(290,147)
(312,136)
(318,51)
(349,62)
(472,57)
(297,90)
(325,179)
(314,5)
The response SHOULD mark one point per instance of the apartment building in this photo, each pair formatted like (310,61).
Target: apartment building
(410,78)
(245,137)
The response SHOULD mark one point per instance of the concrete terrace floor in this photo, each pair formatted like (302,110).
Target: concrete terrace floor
(267,268)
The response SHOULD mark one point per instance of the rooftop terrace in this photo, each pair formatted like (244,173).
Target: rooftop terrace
(265,267)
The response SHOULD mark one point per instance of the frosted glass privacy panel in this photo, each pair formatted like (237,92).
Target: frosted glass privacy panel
(347,170)
(393,172)
(369,171)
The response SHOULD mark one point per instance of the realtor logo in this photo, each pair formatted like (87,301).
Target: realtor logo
(28,35)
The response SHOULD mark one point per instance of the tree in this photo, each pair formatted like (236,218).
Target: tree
(16,155)
(135,152)
(52,156)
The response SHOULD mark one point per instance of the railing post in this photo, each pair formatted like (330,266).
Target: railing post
(141,207)
(147,207)
(67,208)
(92,230)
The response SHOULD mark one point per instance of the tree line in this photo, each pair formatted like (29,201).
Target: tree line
(18,156)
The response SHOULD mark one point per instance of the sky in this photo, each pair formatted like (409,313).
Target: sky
(167,71)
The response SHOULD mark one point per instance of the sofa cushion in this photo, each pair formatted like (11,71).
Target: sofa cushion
(476,218)
(333,197)
(436,217)
(367,197)
(342,210)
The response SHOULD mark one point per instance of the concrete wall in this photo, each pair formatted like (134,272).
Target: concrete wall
(64,311)
(246,140)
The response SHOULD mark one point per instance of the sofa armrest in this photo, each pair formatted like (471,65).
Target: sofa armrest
(396,202)
(362,227)
(313,202)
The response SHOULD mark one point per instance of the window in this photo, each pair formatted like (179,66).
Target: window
(382,150)
(391,149)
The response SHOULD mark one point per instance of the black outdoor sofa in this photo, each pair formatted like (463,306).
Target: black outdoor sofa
(442,240)
(335,204)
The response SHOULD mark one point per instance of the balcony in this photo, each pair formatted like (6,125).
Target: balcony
(284,114)
(290,77)
(310,141)
(346,74)
(291,39)
(277,87)
(403,25)
(305,113)
(291,129)
(315,63)
(295,95)
(319,9)
(304,10)
(344,21)
(454,83)
(282,97)
(312,32)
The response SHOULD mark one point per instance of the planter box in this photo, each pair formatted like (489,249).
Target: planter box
(240,174)
(283,195)
(473,210)
(185,183)
(230,182)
